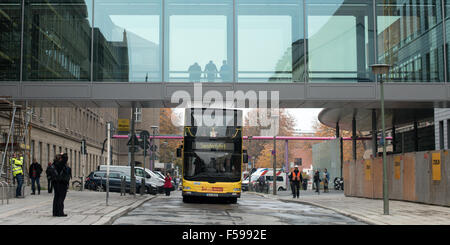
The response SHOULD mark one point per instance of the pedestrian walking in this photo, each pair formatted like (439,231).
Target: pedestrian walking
(326,180)
(35,175)
(17,171)
(60,179)
(296,178)
(317,181)
(168,184)
(49,177)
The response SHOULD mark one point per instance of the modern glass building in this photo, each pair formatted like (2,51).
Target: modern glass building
(316,53)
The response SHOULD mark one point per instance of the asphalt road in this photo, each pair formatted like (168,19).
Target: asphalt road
(250,210)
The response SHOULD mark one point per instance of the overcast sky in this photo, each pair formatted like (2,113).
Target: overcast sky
(304,117)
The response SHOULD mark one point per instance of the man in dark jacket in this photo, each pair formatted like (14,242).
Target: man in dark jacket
(49,177)
(60,179)
(317,181)
(35,175)
(296,178)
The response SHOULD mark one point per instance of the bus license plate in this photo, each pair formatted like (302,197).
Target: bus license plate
(212,195)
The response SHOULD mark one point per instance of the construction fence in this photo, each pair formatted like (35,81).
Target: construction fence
(422,177)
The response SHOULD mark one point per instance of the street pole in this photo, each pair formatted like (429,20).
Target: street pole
(133,177)
(274,165)
(145,151)
(385,179)
(383,69)
(108,161)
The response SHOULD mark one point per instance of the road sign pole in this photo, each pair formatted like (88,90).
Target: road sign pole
(108,162)
(274,165)
(145,151)
(133,177)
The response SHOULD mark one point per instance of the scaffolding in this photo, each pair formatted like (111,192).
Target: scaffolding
(15,136)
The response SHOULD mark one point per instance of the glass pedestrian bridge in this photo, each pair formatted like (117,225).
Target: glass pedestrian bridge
(145,49)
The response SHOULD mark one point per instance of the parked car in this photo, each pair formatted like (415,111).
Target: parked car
(96,180)
(141,172)
(244,184)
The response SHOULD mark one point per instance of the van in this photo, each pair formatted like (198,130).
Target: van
(140,172)
(281,180)
(268,173)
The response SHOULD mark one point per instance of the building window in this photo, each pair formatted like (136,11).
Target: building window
(138,115)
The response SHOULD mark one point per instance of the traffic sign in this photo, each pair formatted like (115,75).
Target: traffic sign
(123,125)
(144,134)
(153,148)
(133,138)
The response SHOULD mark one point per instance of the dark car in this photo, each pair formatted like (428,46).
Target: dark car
(97,181)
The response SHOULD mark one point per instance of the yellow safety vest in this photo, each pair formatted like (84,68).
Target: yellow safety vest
(17,166)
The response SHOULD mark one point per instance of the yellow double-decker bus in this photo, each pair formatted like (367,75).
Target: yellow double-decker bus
(212,154)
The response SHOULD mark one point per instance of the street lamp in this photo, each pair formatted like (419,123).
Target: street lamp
(383,69)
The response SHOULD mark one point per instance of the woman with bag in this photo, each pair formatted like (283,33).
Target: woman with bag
(168,184)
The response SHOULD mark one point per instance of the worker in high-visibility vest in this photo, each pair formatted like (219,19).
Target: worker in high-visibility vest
(17,171)
(296,178)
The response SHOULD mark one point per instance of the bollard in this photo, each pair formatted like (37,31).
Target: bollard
(142,186)
(122,186)
(3,191)
(23,191)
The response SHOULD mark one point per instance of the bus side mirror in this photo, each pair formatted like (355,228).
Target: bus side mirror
(178,152)
(245,156)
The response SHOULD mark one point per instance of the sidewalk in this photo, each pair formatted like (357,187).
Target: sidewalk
(371,210)
(83,208)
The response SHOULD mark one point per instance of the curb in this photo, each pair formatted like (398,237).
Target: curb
(358,218)
(108,219)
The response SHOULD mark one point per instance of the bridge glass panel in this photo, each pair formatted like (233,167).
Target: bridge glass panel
(270,41)
(57,40)
(199,41)
(339,40)
(410,38)
(127,38)
(10,26)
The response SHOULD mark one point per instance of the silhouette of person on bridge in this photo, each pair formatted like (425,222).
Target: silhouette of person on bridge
(195,72)
(225,72)
(211,71)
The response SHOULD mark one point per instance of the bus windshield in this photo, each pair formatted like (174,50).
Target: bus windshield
(213,153)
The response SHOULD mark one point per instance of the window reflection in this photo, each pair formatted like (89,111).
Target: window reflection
(127,41)
(339,41)
(410,39)
(200,40)
(10,26)
(270,41)
(57,40)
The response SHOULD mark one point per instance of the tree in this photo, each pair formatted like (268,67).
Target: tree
(167,150)
(262,150)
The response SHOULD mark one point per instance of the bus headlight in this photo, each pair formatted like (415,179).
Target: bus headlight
(237,189)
